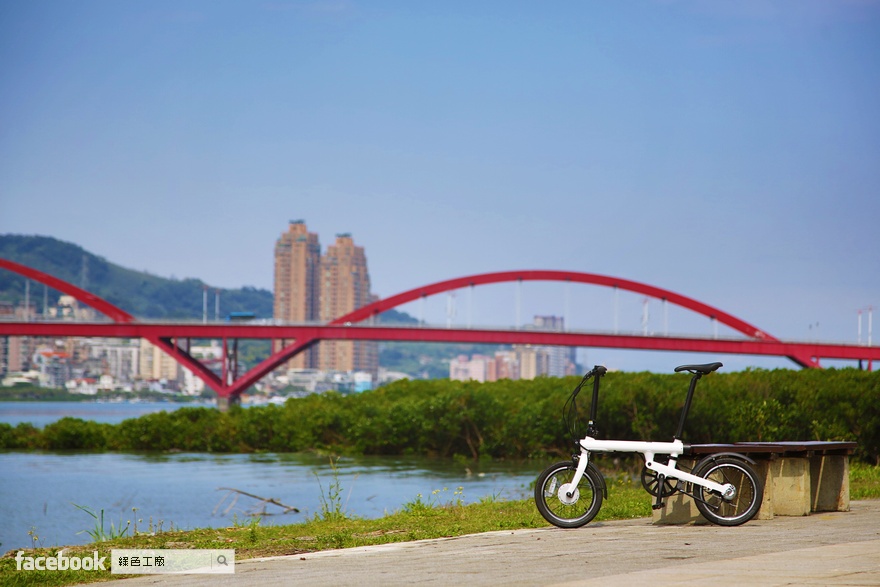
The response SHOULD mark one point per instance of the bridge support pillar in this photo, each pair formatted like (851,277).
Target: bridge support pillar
(225,402)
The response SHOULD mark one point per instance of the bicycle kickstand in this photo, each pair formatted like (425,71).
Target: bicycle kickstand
(658,503)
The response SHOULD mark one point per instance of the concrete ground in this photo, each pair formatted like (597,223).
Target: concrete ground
(828,549)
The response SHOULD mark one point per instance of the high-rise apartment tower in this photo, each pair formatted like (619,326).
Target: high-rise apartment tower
(310,287)
(297,287)
(345,287)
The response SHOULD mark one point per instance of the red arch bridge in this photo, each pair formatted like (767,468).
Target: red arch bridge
(174,337)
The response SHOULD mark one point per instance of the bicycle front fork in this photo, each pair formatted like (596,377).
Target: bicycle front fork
(582,461)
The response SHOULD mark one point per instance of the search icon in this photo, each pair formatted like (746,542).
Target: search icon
(221,560)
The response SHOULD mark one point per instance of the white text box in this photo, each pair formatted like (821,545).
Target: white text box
(149,561)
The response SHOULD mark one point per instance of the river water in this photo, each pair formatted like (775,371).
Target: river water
(42,413)
(39,490)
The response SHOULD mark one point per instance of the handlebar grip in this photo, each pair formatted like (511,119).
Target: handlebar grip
(599,370)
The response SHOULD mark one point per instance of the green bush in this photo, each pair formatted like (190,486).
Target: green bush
(22,436)
(73,433)
(504,419)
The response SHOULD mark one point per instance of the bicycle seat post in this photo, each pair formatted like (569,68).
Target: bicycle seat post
(698,371)
(687,406)
(598,371)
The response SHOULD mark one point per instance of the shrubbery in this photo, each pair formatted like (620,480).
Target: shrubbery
(504,419)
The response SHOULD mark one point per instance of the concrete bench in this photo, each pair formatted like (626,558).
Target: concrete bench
(799,478)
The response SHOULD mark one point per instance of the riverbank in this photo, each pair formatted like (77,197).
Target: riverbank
(39,414)
(33,393)
(440,514)
(43,487)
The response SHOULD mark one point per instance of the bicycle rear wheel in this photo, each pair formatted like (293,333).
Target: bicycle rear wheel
(552,497)
(735,509)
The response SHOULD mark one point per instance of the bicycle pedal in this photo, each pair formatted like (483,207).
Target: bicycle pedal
(656,506)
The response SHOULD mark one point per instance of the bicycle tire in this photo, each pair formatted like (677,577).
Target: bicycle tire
(581,507)
(734,511)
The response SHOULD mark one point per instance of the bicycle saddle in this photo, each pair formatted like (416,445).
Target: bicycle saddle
(701,369)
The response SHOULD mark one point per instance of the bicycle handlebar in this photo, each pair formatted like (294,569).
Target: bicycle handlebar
(597,371)
(570,408)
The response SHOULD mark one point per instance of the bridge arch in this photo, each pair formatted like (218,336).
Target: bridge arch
(116,314)
(400,299)
(113,312)
(376,308)
(233,388)
(567,276)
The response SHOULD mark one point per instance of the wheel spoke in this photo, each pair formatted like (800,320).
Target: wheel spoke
(746,501)
(580,508)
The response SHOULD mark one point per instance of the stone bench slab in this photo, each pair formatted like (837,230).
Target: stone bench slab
(800,477)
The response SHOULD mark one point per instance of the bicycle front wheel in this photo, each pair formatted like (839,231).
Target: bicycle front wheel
(566,506)
(745,500)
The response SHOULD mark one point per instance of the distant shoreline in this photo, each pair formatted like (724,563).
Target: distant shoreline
(90,399)
(29,393)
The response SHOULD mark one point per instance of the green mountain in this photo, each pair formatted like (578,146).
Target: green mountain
(151,297)
(140,294)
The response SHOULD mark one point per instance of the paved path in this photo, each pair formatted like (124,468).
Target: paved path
(828,549)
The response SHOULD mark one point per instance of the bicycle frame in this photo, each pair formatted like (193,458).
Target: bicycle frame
(648,450)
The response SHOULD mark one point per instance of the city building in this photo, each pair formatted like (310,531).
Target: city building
(475,368)
(345,287)
(310,287)
(561,360)
(156,365)
(362,381)
(505,365)
(522,362)
(533,361)
(297,285)
(16,352)
(119,357)
(68,308)
(306,381)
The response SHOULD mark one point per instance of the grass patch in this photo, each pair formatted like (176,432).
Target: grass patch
(442,514)
(864,481)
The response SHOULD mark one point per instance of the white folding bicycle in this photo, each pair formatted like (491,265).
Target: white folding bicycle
(725,487)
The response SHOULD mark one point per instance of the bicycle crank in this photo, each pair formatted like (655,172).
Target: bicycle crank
(652,484)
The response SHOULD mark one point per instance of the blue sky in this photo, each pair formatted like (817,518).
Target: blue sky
(728,151)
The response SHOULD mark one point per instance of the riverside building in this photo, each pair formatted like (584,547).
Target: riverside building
(311,287)
(297,297)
